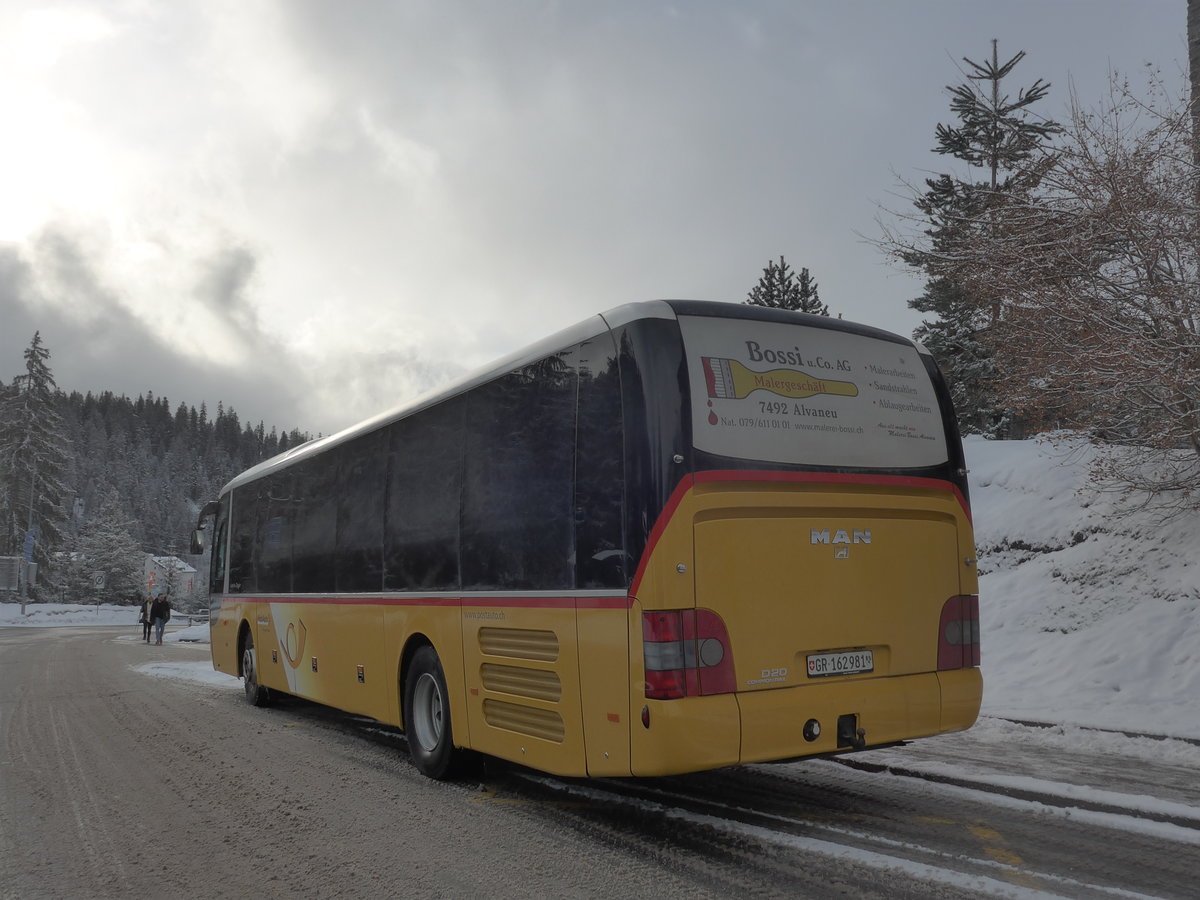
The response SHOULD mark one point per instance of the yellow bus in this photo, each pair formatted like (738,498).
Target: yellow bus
(678,536)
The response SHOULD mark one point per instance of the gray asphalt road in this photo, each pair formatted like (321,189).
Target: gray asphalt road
(114,783)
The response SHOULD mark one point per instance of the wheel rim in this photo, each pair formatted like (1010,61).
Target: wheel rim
(248,670)
(427,712)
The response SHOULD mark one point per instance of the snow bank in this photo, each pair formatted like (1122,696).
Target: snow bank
(51,614)
(193,634)
(41,614)
(196,672)
(1090,610)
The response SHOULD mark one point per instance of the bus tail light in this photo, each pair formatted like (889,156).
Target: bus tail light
(686,654)
(958,633)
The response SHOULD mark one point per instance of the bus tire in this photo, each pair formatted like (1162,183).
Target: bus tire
(255,692)
(427,715)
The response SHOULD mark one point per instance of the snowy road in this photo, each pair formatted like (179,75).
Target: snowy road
(117,783)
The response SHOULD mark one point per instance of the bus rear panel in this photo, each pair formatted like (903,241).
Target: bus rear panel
(810,587)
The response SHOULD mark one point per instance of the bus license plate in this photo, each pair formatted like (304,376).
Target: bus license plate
(851,662)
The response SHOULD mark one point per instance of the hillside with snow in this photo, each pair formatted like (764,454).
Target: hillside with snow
(1089,607)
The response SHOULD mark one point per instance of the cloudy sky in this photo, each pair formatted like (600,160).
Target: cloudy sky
(312,211)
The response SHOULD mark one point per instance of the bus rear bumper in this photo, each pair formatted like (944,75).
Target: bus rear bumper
(962,694)
(885,710)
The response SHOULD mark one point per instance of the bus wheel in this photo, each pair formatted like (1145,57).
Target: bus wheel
(255,692)
(427,715)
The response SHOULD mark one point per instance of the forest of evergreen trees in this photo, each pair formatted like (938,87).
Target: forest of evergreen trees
(90,483)
(162,464)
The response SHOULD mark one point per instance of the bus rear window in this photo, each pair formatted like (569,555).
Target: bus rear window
(797,394)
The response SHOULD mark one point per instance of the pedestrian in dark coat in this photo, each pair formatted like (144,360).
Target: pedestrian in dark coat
(160,615)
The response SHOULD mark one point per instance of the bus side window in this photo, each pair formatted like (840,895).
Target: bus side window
(653,392)
(518,496)
(275,557)
(424,495)
(362,464)
(216,572)
(315,527)
(600,558)
(242,527)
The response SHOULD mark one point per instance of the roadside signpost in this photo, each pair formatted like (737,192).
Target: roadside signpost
(10,573)
(29,570)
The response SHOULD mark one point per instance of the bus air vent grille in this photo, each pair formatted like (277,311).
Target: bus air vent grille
(540,723)
(537,684)
(519,643)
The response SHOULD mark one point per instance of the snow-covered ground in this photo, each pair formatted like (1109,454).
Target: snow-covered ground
(178,632)
(1090,613)
(42,614)
(1089,608)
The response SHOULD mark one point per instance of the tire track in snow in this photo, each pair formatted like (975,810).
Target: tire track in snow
(993,874)
(1064,798)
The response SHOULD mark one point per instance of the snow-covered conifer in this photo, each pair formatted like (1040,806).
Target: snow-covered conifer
(34,461)
(109,555)
(1000,135)
(1088,279)
(780,287)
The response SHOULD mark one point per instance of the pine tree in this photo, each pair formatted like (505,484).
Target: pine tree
(998,134)
(160,466)
(1094,271)
(107,552)
(995,133)
(781,288)
(810,300)
(970,371)
(34,460)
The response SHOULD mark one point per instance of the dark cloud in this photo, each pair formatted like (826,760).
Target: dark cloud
(97,344)
(16,323)
(223,286)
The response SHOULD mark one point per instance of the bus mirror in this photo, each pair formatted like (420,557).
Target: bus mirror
(209,509)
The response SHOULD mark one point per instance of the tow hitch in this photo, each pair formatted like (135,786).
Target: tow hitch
(849,734)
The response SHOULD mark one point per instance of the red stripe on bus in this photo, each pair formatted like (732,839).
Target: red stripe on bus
(604,603)
(353,601)
(660,525)
(548,602)
(731,476)
(624,602)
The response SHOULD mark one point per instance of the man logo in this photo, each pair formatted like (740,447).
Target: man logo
(841,536)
